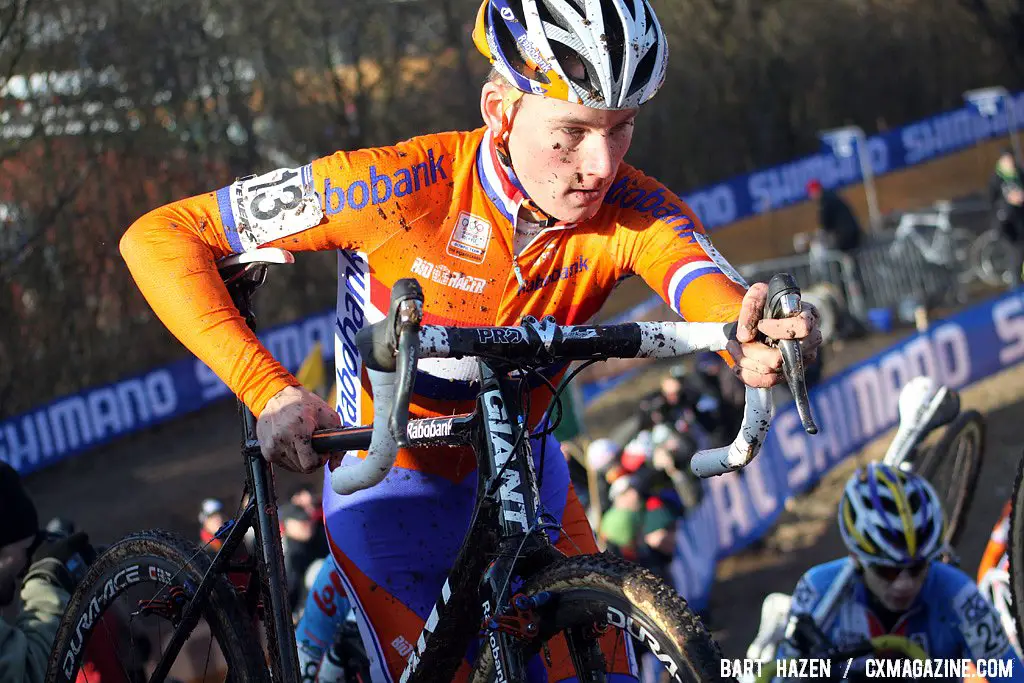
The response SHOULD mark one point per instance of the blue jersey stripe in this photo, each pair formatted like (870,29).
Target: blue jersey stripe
(227,219)
(685,281)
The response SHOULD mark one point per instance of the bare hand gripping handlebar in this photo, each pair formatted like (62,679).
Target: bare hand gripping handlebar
(391,348)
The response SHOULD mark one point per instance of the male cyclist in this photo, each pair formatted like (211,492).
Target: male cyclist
(892,524)
(533,213)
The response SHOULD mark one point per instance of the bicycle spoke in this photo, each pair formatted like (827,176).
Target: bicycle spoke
(113,642)
(587,659)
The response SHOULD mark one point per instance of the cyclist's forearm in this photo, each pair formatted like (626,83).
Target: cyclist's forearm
(175,270)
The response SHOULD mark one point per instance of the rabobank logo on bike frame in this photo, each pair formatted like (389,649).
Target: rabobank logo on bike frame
(626,193)
(353,299)
(380,187)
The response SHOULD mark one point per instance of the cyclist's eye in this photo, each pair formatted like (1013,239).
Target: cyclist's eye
(916,569)
(574,133)
(623,127)
(885,572)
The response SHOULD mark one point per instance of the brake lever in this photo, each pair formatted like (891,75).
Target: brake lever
(784,302)
(392,346)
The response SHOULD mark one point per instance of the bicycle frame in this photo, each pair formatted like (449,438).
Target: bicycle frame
(506,525)
(936,249)
(267,567)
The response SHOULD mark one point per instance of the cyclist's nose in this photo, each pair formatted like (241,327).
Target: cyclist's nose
(598,157)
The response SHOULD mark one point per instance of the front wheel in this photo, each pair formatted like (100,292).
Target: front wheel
(127,606)
(604,615)
(953,465)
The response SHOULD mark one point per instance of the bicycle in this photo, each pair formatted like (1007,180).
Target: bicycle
(586,600)
(932,234)
(1016,547)
(953,464)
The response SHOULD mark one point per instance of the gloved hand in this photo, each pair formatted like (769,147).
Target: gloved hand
(62,560)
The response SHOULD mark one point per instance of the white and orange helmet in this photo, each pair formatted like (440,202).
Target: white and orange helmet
(620,44)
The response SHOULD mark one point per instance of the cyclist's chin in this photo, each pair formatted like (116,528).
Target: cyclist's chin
(576,210)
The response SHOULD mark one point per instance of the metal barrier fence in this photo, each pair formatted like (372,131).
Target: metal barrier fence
(882,274)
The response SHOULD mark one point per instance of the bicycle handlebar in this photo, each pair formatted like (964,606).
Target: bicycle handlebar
(391,348)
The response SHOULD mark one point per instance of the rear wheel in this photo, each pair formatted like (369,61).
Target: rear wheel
(125,610)
(625,607)
(992,257)
(952,466)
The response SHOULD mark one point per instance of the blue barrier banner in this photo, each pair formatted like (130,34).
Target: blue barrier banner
(723,203)
(852,409)
(76,423)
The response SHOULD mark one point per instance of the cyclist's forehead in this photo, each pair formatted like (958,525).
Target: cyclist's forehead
(552,113)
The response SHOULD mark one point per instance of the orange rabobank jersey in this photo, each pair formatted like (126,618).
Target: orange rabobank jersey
(438,208)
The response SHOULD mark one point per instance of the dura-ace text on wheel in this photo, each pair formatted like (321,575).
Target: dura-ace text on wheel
(128,603)
(590,597)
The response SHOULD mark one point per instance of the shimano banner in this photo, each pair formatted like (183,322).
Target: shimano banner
(852,409)
(76,423)
(838,166)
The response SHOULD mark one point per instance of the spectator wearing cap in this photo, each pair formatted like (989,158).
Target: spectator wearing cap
(620,524)
(1006,192)
(835,219)
(42,571)
(637,452)
(211,519)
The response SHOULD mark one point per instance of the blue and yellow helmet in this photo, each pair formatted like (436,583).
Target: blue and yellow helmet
(891,517)
(618,43)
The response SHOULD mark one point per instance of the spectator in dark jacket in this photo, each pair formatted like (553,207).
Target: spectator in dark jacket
(1006,192)
(39,572)
(835,218)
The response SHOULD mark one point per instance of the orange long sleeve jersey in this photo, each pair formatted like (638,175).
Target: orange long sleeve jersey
(440,208)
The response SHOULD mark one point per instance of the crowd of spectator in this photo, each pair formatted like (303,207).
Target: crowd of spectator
(644,486)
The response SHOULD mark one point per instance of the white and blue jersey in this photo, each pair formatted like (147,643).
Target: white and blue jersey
(950,618)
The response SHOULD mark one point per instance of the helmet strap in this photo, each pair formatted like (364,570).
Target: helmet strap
(508,112)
